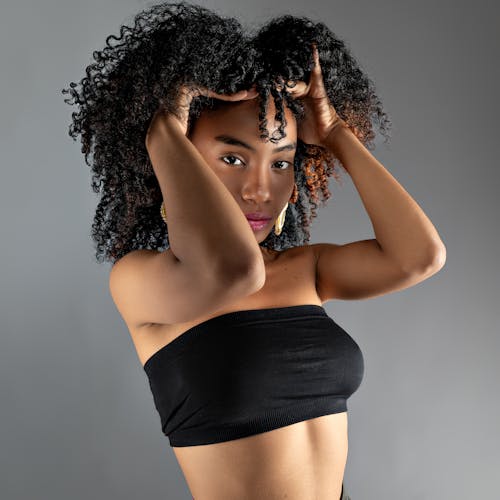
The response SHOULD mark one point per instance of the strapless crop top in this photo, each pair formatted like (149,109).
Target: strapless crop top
(252,371)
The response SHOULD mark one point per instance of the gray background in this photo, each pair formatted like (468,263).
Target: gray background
(77,416)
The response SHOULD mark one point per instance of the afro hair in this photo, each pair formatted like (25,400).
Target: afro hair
(180,43)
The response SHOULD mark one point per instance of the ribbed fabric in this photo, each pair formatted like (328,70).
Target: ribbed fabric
(252,371)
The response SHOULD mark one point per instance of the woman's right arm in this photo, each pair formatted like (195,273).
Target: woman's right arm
(213,259)
(206,227)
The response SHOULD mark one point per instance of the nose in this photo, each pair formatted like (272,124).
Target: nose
(257,185)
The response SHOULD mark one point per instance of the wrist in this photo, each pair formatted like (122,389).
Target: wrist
(165,129)
(334,130)
(336,135)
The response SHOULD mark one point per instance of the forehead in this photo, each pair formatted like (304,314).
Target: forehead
(243,117)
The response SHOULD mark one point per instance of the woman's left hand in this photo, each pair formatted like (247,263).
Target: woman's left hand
(320,117)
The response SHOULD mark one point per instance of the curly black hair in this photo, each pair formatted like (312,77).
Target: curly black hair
(181,43)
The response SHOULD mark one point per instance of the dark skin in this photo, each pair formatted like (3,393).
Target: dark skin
(252,177)
(260,180)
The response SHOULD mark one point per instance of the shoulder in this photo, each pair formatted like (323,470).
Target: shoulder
(134,257)
(307,252)
(315,250)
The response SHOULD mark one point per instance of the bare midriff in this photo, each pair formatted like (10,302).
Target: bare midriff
(303,461)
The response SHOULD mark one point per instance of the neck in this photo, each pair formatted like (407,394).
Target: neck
(269,254)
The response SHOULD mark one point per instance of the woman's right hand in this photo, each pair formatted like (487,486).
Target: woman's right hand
(183,105)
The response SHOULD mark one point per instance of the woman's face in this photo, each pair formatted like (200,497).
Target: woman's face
(259,177)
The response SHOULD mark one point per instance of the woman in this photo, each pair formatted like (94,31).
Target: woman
(249,374)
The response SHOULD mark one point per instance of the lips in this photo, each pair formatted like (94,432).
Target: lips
(257,225)
(256,216)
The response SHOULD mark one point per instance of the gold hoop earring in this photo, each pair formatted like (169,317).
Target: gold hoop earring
(163,212)
(280,221)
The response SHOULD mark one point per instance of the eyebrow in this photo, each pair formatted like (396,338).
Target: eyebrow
(227,139)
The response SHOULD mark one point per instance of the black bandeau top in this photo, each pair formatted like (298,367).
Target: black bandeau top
(251,371)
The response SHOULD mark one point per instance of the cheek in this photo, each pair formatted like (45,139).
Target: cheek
(293,192)
(283,188)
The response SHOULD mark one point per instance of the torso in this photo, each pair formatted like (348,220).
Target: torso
(303,461)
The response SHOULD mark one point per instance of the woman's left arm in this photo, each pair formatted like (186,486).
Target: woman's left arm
(403,231)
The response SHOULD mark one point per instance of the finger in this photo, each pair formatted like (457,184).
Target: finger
(230,97)
(292,86)
(299,89)
(240,95)
(317,67)
(252,92)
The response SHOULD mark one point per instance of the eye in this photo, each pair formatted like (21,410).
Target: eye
(229,156)
(286,164)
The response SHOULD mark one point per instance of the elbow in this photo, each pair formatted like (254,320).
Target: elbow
(437,258)
(433,263)
(257,275)
(251,272)
(254,272)
(440,257)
